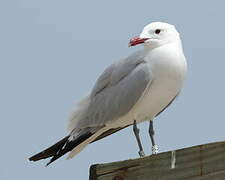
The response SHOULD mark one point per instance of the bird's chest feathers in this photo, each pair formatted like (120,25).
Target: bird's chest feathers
(168,74)
(167,63)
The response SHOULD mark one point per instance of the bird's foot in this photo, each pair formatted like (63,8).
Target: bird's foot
(141,153)
(155,149)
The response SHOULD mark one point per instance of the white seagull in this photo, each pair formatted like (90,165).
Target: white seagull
(130,91)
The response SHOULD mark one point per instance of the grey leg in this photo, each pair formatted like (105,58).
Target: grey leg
(136,133)
(155,149)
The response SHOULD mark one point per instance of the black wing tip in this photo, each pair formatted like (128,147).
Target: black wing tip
(59,149)
(55,157)
(36,157)
(31,159)
(51,161)
(69,145)
(41,155)
(48,164)
(49,152)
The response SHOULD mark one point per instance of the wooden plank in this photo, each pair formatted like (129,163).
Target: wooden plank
(199,162)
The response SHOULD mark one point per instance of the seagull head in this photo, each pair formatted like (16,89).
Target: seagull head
(156,34)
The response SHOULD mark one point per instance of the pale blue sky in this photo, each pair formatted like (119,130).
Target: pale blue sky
(51,53)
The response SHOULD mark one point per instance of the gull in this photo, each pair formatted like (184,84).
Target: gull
(132,90)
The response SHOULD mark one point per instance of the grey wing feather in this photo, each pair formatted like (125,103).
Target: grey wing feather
(117,90)
(113,130)
(117,71)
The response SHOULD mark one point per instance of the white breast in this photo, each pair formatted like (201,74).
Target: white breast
(168,68)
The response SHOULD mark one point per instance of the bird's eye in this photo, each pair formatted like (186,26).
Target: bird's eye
(157,31)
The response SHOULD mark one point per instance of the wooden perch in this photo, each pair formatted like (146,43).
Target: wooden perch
(199,162)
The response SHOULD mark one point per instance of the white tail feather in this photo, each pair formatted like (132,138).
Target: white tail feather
(81,146)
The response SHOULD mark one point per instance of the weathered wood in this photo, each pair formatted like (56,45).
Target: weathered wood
(199,162)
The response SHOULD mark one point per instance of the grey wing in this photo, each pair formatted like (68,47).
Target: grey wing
(113,130)
(117,91)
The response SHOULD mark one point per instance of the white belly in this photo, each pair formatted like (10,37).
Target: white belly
(168,73)
(155,99)
(161,91)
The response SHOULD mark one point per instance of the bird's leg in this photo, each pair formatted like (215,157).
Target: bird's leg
(155,149)
(136,133)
